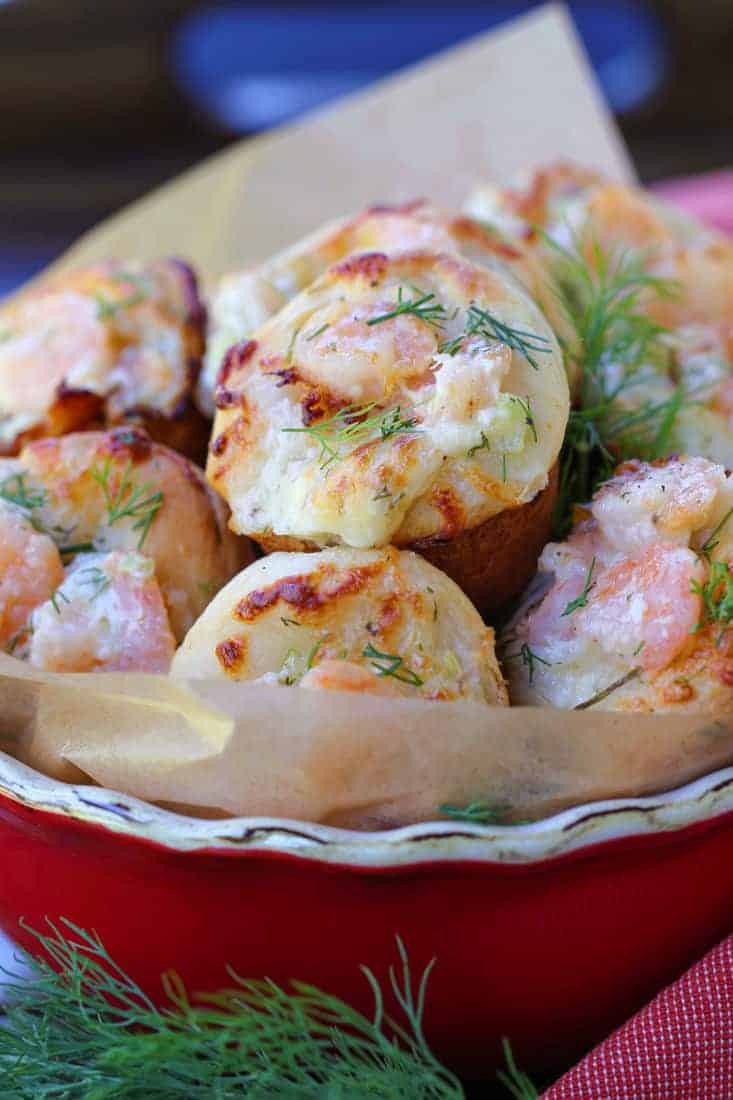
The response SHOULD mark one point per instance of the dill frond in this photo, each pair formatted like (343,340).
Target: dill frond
(391,664)
(83,1028)
(614,347)
(352,426)
(425,306)
(127,500)
(15,490)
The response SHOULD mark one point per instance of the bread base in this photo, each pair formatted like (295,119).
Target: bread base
(493,563)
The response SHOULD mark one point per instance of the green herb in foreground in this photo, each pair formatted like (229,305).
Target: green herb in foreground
(529,659)
(128,500)
(391,664)
(86,1031)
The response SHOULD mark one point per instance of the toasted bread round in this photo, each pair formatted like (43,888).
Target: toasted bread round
(635,610)
(105,344)
(383,621)
(118,490)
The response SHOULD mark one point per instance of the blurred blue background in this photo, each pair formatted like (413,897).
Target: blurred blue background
(104,100)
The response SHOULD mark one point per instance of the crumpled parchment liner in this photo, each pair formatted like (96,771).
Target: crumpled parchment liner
(521,95)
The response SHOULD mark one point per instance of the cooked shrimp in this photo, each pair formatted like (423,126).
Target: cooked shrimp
(637,597)
(118,490)
(30,570)
(107,615)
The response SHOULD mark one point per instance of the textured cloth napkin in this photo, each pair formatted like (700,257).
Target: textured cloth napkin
(680,1047)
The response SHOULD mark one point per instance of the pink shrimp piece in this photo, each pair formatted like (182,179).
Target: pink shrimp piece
(380,357)
(108,615)
(645,607)
(335,675)
(30,570)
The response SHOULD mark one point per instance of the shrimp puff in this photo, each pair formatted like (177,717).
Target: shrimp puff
(379,621)
(413,399)
(634,611)
(101,345)
(96,492)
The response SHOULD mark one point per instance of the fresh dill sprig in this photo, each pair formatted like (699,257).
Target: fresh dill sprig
(517,1082)
(582,599)
(712,540)
(83,1028)
(424,306)
(605,302)
(476,813)
(352,426)
(529,659)
(59,594)
(128,500)
(484,445)
(15,490)
(480,322)
(717,598)
(391,664)
(525,406)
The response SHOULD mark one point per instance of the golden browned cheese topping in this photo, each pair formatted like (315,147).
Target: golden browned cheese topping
(384,622)
(399,397)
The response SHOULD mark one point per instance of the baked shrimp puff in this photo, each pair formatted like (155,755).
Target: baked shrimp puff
(97,492)
(245,300)
(581,212)
(413,399)
(100,345)
(379,621)
(634,611)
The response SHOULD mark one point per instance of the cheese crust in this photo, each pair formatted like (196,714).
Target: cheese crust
(382,621)
(351,418)
(243,300)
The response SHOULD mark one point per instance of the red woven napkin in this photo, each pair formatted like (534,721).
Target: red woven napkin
(680,1047)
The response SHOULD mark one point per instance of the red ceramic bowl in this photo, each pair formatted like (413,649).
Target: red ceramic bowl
(551,933)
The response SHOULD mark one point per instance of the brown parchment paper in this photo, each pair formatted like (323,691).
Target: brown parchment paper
(502,101)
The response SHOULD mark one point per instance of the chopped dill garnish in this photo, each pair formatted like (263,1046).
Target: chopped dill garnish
(289,622)
(476,813)
(424,306)
(313,652)
(503,467)
(107,309)
(712,540)
(317,332)
(352,426)
(528,658)
(484,445)
(383,494)
(291,345)
(391,664)
(717,598)
(480,322)
(96,578)
(128,500)
(613,340)
(638,649)
(15,490)
(76,548)
(55,597)
(528,417)
(582,599)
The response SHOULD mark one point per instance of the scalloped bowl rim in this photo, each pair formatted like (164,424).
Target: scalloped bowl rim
(579,827)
